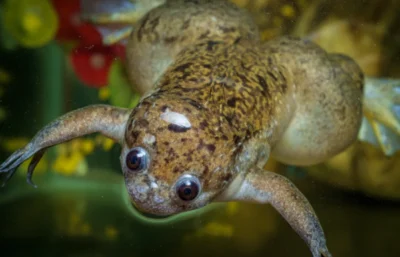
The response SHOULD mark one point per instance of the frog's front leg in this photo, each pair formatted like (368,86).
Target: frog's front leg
(262,186)
(105,119)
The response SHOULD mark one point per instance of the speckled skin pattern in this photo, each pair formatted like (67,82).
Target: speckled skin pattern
(216,104)
(166,30)
(233,89)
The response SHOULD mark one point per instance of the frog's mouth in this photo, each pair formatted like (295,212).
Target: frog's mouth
(149,215)
(162,219)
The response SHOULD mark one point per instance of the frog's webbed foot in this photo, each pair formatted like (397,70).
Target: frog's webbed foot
(107,120)
(381,121)
(267,187)
(115,19)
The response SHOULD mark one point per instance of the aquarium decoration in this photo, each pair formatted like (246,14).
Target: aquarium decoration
(4,79)
(34,24)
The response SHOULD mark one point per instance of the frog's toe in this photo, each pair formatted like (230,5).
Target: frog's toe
(35,160)
(15,160)
(11,165)
(381,121)
(319,248)
(16,155)
(324,252)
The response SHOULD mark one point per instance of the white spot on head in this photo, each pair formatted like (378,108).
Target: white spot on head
(149,139)
(176,118)
(153,185)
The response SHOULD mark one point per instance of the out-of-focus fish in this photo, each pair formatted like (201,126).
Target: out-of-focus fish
(115,19)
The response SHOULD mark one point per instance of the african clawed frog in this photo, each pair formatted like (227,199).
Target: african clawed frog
(217,102)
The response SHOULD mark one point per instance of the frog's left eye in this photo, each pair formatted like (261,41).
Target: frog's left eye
(188,188)
(137,159)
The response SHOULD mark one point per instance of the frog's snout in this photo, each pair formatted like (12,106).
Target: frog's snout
(149,196)
(158,198)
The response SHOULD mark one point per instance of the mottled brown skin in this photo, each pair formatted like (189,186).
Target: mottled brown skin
(169,162)
(217,102)
(328,102)
(169,28)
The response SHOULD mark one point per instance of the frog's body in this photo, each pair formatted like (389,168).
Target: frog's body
(214,107)
(165,31)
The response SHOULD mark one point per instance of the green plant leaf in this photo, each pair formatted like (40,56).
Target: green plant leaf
(121,91)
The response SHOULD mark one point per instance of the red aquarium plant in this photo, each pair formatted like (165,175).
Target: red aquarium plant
(90,58)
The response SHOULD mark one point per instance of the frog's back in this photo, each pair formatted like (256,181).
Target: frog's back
(165,31)
(209,53)
(232,80)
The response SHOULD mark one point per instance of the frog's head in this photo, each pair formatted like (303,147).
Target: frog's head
(175,157)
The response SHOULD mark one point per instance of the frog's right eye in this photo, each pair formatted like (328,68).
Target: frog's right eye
(137,159)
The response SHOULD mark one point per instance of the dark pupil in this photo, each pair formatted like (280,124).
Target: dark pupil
(133,160)
(188,190)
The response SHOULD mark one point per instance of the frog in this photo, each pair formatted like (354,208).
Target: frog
(216,104)
(115,20)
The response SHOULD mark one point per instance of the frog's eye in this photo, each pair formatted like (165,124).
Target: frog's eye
(188,188)
(137,159)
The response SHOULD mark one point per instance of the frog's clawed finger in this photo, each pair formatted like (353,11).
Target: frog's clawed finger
(381,122)
(35,160)
(324,252)
(11,165)
(16,155)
